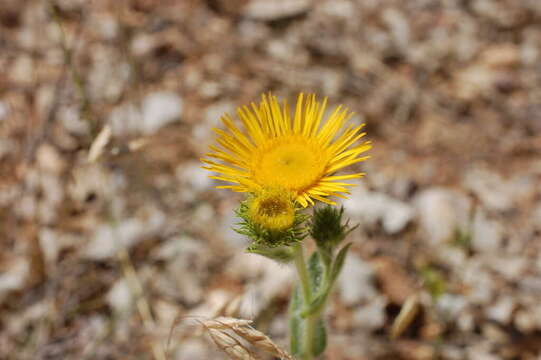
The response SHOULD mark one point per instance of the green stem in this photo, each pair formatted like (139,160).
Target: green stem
(310,321)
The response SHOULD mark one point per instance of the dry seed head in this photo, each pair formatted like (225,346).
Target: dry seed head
(243,329)
(231,346)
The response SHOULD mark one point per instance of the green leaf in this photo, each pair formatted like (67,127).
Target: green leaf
(295,323)
(320,338)
(339,263)
(316,305)
(283,254)
(315,271)
(319,287)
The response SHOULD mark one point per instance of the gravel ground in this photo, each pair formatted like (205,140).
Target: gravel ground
(113,238)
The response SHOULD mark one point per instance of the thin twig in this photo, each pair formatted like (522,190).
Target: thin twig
(142,305)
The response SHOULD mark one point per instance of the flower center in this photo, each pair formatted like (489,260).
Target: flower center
(273,209)
(292,163)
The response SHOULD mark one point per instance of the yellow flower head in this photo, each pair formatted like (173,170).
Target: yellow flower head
(272,208)
(299,155)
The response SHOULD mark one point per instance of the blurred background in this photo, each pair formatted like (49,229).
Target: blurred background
(112,235)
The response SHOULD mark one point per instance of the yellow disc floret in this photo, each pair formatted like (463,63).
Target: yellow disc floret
(272,209)
(299,154)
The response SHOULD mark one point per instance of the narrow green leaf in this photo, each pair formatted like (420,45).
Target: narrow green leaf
(320,338)
(295,323)
(326,256)
(315,272)
(283,254)
(339,262)
(316,305)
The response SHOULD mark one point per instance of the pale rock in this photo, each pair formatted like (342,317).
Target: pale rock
(120,297)
(22,71)
(49,159)
(528,284)
(183,246)
(481,351)
(45,96)
(451,305)
(450,255)
(441,213)
(399,26)
(202,131)
(356,282)
(232,238)
(275,10)
(193,179)
(157,110)
(25,207)
(94,179)
(512,268)
(501,55)
(166,313)
(524,321)
(105,25)
(266,280)
(372,208)
(70,118)
(160,109)
(215,301)
(209,89)
(479,282)
(502,310)
(187,261)
(371,316)
(108,74)
(194,348)
(125,120)
(14,277)
(536,217)
(142,44)
(495,193)
(17,322)
(4,110)
(466,321)
(7,146)
(337,8)
(109,238)
(487,235)
(53,241)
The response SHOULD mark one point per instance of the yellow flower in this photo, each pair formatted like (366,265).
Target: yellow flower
(300,155)
(272,208)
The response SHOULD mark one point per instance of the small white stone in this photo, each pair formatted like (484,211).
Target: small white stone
(524,321)
(371,316)
(451,305)
(487,235)
(108,239)
(120,297)
(441,213)
(14,278)
(160,109)
(49,159)
(70,118)
(372,208)
(496,193)
(501,311)
(356,282)
(512,268)
(4,111)
(193,177)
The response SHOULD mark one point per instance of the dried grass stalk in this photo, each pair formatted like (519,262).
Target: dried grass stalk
(243,329)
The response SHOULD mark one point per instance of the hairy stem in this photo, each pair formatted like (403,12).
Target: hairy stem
(310,321)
